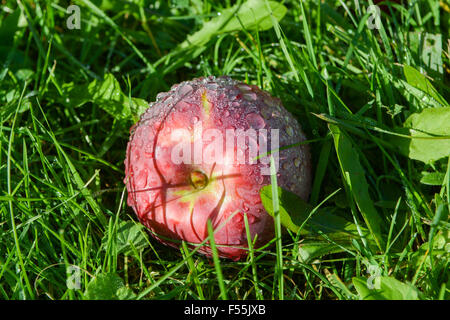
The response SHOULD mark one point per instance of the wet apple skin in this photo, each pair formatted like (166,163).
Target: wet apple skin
(161,192)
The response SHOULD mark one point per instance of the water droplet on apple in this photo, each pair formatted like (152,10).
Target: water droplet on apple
(271,102)
(259,179)
(161,95)
(251,218)
(168,100)
(255,121)
(290,131)
(212,86)
(148,154)
(141,179)
(249,96)
(266,113)
(238,217)
(244,87)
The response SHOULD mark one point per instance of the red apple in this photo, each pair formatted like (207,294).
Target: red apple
(193,157)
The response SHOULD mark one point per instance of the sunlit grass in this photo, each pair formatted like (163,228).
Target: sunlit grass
(62,197)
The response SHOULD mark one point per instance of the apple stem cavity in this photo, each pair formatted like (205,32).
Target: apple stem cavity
(198,179)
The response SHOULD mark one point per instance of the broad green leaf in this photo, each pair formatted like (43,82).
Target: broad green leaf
(334,17)
(124,293)
(363,291)
(129,235)
(353,173)
(430,133)
(254,15)
(310,250)
(432,178)
(251,15)
(419,81)
(324,231)
(408,91)
(108,286)
(8,27)
(439,252)
(10,56)
(294,212)
(384,288)
(106,93)
(426,49)
(24,74)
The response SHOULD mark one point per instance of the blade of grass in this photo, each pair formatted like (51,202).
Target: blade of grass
(252,258)
(279,245)
(193,270)
(287,55)
(354,176)
(170,272)
(23,270)
(215,255)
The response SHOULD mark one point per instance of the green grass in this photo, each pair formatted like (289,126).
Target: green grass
(69,97)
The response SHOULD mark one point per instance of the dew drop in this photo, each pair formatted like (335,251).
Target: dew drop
(249,96)
(168,100)
(238,217)
(185,89)
(148,154)
(290,131)
(136,156)
(259,179)
(270,102)
(266,113)
(141,179)
(244,87)
(212,86)
(255,121)
(160,95)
